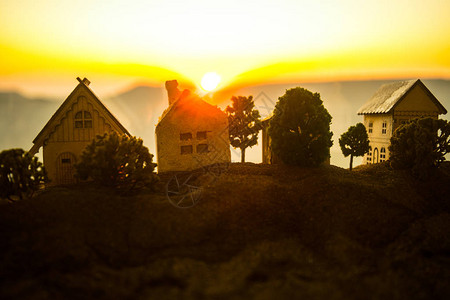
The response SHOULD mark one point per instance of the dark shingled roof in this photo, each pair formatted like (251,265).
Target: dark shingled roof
(388,95)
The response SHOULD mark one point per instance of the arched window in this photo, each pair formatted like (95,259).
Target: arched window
(375,156)
(83,119)
(382,154)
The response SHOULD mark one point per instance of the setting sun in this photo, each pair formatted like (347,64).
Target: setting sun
(210,81)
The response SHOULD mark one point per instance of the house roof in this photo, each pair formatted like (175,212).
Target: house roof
(83,84)
(188,99)
(389,95)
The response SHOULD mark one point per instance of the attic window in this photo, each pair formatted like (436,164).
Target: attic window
(384,127)
(370,127)
(201,135)
(83,119)
(185,136)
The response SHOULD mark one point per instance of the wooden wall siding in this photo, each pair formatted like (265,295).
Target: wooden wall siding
(65,131)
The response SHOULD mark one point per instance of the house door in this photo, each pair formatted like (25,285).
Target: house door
(65,170)
(375,156)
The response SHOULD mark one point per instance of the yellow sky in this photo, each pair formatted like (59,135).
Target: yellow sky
(45,44)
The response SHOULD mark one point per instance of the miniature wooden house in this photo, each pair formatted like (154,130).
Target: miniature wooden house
(80,118)
(392,105)
(191,133)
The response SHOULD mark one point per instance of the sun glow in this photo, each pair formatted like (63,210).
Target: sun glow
(246,43)
(210,81)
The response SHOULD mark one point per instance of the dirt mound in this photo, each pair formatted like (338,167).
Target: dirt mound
(257,231)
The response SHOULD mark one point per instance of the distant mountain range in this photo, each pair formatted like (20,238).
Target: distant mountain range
(22,118)
(138,109)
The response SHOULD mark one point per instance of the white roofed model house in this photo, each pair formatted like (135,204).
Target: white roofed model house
(392,105)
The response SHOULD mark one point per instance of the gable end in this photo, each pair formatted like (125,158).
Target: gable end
(421,85)
(67,106)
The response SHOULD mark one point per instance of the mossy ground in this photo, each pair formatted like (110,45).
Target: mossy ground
(258,231)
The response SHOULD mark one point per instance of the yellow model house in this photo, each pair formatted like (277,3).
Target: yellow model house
(80,118)
(191,133)
(392,105)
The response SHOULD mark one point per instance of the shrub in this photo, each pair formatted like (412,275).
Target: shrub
(21,174)
(122,162)
(300,128)
(420,145)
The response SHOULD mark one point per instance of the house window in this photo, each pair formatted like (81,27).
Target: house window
(187,149)
(370,127)
(369,156)
(201,135)
(382,154)
(384,127)
(65,160)
(83,119)
(202,148)
(185,136)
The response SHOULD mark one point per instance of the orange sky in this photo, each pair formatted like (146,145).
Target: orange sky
(45,44)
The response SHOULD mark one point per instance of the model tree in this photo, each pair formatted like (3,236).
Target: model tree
(420,146)
(354,142)
(300,128)
(21,174)
(244,123)
(122,162)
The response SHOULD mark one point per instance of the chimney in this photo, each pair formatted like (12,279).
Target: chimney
(172,91)
(85,81)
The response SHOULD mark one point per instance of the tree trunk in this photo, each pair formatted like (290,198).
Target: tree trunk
(351,161)
(242,155)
